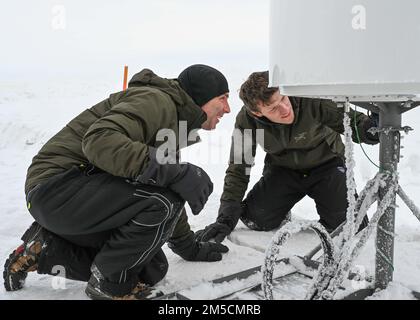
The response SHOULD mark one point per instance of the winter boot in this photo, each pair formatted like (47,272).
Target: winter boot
(140,292)
(25,258)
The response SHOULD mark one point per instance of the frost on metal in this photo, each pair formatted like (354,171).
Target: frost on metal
(351,244)
(352,249)
(351,184)
(338,258)
(281,236)
(409,203)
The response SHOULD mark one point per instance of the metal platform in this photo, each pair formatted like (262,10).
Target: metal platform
(291,284)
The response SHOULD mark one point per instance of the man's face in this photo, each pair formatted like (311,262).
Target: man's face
(215,109)
(278,109)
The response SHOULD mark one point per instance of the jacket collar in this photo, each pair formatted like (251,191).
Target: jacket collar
(186,108)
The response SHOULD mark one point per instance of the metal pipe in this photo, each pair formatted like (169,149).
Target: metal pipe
(389,121)
(409,203)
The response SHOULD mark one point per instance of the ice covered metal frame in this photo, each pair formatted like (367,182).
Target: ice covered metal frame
(389,156)
(383,188)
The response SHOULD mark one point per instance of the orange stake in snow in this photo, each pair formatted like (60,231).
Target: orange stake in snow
(125,77)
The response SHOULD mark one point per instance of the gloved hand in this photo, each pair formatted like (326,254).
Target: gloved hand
(193,185)
(372,122)
(217,231)
(191,182)
(191,249)
(374,119)
(228,217)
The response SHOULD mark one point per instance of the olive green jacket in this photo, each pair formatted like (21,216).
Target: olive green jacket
(311,140)
(115,134)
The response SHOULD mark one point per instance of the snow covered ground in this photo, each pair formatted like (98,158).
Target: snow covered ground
(40,97)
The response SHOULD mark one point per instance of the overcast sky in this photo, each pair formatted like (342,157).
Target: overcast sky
(46,37)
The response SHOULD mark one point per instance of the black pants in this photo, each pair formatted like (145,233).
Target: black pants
(95,217)
(279,189)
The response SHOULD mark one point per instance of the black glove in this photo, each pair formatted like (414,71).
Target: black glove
(218,231)
(191,182)
(372,122)
(194,186)
(228,217)
(374,119)
(191,249)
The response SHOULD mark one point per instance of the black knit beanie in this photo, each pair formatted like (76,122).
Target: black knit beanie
(203,83)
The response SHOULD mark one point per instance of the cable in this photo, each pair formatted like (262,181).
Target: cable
(360,142)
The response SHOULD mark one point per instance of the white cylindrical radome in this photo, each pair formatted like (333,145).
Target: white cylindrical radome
(345,48)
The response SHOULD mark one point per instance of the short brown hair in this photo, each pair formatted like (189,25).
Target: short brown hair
(255,89)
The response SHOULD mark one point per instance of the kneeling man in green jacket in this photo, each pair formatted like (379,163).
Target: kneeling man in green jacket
(304,157)
(107,192)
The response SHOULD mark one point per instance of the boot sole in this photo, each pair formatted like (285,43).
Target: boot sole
(15,281)
(95,295)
